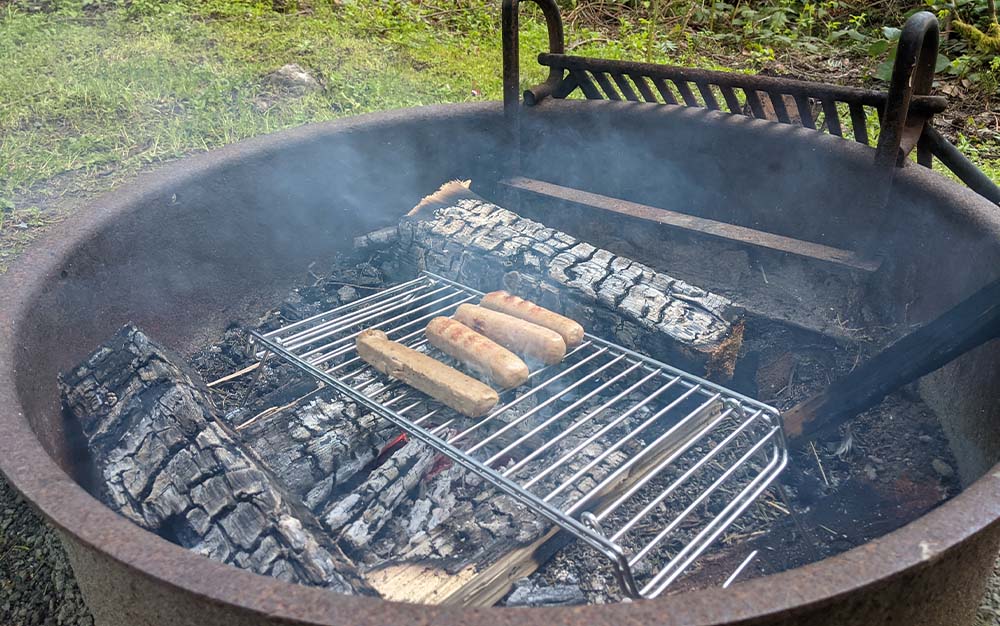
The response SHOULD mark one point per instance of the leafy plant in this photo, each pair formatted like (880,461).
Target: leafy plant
(890,42)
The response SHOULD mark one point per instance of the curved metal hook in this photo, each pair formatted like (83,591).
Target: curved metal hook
(912,73)
(511,60)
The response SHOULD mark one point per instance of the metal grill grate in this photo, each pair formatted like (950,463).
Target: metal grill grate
(643,462)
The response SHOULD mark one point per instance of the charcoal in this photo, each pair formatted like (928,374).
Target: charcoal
(527,593)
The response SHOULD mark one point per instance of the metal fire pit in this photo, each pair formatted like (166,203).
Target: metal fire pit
(201,242)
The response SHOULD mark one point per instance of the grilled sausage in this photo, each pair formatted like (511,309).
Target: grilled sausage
(570,331)
(481,354)
(446,384)
(529,340)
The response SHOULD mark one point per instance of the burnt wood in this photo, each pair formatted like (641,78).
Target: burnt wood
(965,326)
(319,448)
(168,464)
(489,541)
(697,225)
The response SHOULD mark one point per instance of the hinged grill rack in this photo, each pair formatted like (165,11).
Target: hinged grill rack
(644,463)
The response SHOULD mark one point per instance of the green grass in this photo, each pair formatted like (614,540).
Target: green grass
(86,94)
(125,87)
(94,96)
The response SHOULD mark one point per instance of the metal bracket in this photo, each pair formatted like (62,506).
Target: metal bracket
(912,74)
(511,56)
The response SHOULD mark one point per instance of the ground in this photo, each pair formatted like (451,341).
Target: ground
(92,93)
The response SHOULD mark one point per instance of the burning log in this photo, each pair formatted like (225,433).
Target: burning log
(317,449)
(169,465)
(460,235)
(466,545)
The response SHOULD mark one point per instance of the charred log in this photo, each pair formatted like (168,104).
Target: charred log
(319,449)
(459,235)
(169,465)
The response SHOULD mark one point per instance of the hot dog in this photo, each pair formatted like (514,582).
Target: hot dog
(480,353)
(529,340)
(570,331)
(446,384)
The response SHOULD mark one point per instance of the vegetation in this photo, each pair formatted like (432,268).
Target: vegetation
(92,91)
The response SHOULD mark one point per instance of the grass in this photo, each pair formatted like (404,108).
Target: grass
(112,91)
(96,93)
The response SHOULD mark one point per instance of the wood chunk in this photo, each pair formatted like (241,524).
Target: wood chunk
(317,448)
(459,235)
(358,517)
(169,465)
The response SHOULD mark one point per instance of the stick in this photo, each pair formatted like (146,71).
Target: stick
(234,375)
(967,325)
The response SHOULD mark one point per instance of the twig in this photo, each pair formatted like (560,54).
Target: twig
(857,360)
(343,284)
(234,375)
(277,409)
(832,531)
(819,463)
(777,506)
(582,42)
(763,274)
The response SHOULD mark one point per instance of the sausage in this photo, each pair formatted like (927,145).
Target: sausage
(479,353)
(569,330)
(446,384)
(529,340)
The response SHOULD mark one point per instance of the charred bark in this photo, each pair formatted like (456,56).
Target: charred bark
(169,465)
(317,450)
(459,235)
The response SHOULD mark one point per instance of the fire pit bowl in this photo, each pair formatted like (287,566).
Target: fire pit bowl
(184,251)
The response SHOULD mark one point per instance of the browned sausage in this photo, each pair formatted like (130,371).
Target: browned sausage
(570,331)
(529,340)
(480,353)
(446,384)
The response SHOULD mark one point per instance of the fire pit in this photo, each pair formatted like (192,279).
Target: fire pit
(219,237)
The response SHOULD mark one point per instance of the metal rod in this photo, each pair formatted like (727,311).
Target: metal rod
(731,512)
(314,334)
(665,493)
(560,414)
(580,422)
(739,569)
(375,296)
(631,435)
(702,496)
(531,392)
(354,334)
(614,423)
(544,404)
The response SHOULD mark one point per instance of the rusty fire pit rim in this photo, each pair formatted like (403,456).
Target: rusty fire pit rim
(75,512)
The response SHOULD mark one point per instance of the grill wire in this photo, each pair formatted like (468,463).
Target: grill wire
(643,462)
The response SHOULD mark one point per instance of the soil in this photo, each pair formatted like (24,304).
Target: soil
(36,583)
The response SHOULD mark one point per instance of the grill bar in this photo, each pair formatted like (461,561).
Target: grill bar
(593,444)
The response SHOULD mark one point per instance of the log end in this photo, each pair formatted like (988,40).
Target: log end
(446,195)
